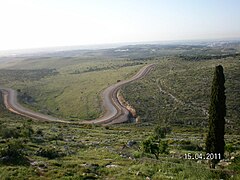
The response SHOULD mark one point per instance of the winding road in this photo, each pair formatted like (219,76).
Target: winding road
(114,112)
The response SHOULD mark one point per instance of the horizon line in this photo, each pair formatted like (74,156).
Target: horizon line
(99,46)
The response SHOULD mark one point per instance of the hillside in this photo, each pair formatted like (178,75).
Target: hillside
(178,92)
(171,102)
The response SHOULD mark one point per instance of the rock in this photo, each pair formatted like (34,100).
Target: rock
(131,143)
(123,155)
(34,163)
(138,173)
(222,160)
(111,166)
(5,159)
(224,164)
(91,166)
(138,119)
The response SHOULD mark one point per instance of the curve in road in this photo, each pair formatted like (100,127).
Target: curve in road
(114,112)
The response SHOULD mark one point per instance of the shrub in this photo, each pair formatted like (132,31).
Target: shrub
(9,133)
(13,153)
(137,154)
(188,145)
(229,148)
(163,147)
(50,153)
(160,132)
(151,146)
(39,132)
(27,130)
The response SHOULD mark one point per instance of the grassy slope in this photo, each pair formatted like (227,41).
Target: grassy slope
(190,83)
(73,93)
(89,149)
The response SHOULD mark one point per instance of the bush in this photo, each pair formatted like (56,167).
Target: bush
(50,153)
(39,132)
(9,133)
(188,145)
(27,130)
(229,148)
(24,131)
(137,154)
(154,145)
(13,153)
(163,147)
(151,146)
(160,132)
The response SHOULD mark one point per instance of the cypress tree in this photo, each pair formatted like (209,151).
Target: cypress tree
(217,111)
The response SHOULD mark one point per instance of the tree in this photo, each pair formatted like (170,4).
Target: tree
(154,143)
(151,147)
(217,111)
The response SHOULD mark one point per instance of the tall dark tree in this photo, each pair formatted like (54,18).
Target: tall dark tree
(217,111)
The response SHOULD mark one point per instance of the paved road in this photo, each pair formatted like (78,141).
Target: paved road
(114,112)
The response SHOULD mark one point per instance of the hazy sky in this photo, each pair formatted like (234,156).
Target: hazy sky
(46,23)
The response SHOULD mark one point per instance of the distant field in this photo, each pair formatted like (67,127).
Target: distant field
(178,92)
(67,88)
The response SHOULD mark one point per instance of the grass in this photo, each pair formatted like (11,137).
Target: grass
(178,92)
(100,152)
(91,149)
(71,91)
(65,151)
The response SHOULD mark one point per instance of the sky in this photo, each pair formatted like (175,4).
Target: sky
(48,23)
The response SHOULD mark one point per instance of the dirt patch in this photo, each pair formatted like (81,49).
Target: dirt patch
(124,103)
